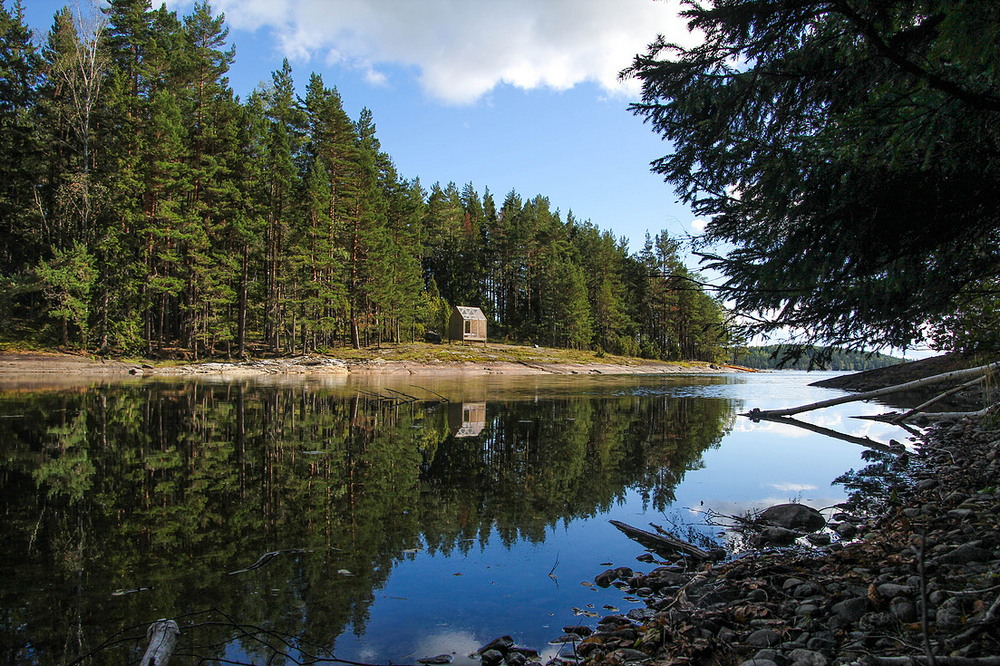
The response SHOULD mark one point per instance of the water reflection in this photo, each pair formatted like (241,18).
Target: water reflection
(125,503)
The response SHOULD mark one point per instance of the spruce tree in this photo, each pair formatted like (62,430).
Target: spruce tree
(19,82)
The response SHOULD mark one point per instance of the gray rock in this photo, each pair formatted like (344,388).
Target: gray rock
(605,578)
(876,621)
(807,658)
(630,655)
(439,659)
(757,595)
(764,638)
(892,590)
(727,635)
(846,531)
(566,638)
(822,640)
(948,619)
(616,620)
(806,610)
(968,552)
(777,536)
(819,539)
(515,659)
(491,657)
(623,634)
(851,610)
(577,629)
(502,645)
(766,653)
(639,615)
(794,517)
(789,583)
(758,662)
(807,590)
(624,573)
(949,615)
(903,609)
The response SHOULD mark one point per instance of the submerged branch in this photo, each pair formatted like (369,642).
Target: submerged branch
(786,420)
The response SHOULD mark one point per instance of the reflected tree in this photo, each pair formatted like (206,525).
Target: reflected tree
(138,500)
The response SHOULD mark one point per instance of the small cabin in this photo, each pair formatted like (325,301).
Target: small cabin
(467,324)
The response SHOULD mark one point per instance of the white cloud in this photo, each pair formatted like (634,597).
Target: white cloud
(699,224)
(462,49)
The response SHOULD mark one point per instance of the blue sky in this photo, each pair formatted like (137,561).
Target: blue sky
(506,94)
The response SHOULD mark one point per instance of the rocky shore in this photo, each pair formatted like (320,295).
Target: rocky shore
(911,576)
(495,361)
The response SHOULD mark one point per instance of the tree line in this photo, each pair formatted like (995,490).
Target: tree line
(770,357)
(144,207)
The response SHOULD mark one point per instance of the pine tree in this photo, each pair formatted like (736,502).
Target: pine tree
(284,146)
(66,280)
(19,72)
(210,203)
(333,151)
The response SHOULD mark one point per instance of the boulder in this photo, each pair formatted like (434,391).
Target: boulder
(794,517)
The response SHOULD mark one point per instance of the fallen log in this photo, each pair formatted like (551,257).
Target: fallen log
(921,660)
(162,636)
(956,375)
(664,546)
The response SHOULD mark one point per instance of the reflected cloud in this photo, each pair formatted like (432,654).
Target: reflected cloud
(456,642)
(792,487)
(740,508)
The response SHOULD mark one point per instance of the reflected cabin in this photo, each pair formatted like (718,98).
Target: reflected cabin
(467,324)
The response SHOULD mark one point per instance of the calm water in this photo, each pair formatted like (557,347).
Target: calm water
(403,527)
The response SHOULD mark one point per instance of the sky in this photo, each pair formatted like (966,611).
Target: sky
(505,94)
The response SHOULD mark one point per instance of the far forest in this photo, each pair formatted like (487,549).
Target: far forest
(145,208)
(774,357)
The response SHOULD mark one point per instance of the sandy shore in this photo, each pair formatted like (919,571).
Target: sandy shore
(53,365)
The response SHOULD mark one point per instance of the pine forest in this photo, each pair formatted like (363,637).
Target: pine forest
(145,208)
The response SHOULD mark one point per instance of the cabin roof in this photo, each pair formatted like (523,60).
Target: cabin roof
(470,313)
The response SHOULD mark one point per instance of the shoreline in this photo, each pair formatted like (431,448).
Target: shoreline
(908,579)
(52,364)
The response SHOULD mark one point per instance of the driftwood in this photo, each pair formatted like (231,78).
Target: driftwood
(939,661)
(976,373)
(162,636)
(665,546)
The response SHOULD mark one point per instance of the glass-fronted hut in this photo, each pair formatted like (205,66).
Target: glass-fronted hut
(467,324)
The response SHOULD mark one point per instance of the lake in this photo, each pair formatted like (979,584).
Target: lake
(378,519)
